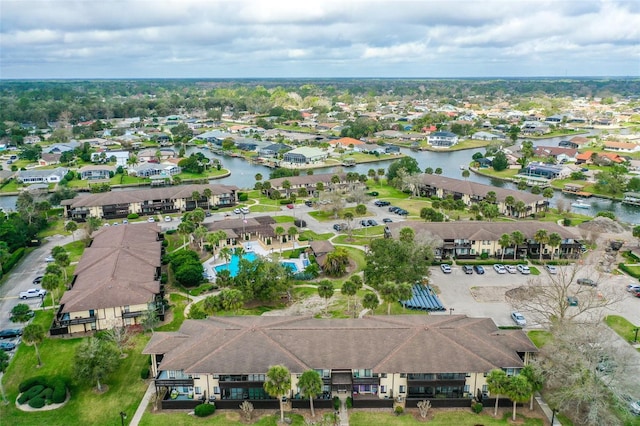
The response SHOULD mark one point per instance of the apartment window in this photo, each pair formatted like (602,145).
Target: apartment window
(485,388)
(466,388)
(198,390)
(383,375)
(216,389)
(468,375)
(403,375)
(403,389)
(383,389)
(127,309)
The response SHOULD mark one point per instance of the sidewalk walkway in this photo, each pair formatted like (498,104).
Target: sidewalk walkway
(135,420)
(547,411)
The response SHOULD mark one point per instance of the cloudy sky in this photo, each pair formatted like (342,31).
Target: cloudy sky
(42,39)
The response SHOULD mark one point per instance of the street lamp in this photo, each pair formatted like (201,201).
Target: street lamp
(123,416)
(635,339)
(553,416)
(451,311)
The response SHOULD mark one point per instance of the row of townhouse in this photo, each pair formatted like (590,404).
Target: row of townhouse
(171,199)
(470,239)
(472,193)
(377,360)
(115,282)
(311,183)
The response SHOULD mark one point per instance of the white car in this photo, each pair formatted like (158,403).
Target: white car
(445,268)
(245,210)
(510,269)
(151,220)
(634,407)
(32,292)
(524,269)
(167,218)
(633,288)
(551,269)
(518,318)
(49,259)
(499,268)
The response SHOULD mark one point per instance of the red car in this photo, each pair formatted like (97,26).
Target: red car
(289,206)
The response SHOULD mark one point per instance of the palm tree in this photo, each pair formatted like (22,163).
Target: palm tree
(542,238)
(33,335)
(310,384)
(497,383)
(200,233)
(404,291)
(536,380)
(279,233)
(520,207)
(491,197)
(132,160)
(325,290)
(348,289)
(466,173)
(207,193)
(554,241)
(518,389)
(62,260)
(286,185)
(71,227)
(186,227)
(277,383)
(517,238)
(510,202)
(389,293)
(292,232)
(370,301)
(225,253)
(232,299)
(51,282)
(504,242)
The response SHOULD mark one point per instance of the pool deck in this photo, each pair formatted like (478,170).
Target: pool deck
(252,247)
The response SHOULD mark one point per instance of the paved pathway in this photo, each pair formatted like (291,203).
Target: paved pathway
(135,420)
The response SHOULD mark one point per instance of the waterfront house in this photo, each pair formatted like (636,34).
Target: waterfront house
(442,139)
(304,155)
(41,176)
(102,171)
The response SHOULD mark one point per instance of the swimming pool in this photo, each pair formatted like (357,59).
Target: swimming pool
(291,266)
(232,266)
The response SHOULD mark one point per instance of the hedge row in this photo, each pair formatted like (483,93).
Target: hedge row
(204,410)
(13,259)
(628,270)
(52,389)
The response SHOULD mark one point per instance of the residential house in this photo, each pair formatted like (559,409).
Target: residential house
(346,143)
(442,139)
(621,146)
(149,155)
(215,137)
(47,159)
(273,150)
(102,171)
(310,183)
(304,155)
(59,148)
(121,157)
(535,128)
(472,193)
(543,170)
(320,249)
(41,176)
(560,155)
(588,157)
(376,360)
(260,229)
(471,239)
(486,136)
(152,201)
(155,169)
(116,281)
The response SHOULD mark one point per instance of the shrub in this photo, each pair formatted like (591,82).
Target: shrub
(204,410)
(144,373)
(13,259)
(477,407)
(398,410)
(31,381)
(566,221)
(59,392)
(349,402)
(608,214)
(36,402)
(170,231)
(243,196)
(133,216)
(23,398)
(46,394)
(336,403)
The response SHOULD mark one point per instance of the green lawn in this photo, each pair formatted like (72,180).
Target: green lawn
(177,303)
(54,227)
(621,326)
(11,186)
(125,387)
(284,219)
(440,418)
(226,418)
(307,235)
(75,249)
(539,337)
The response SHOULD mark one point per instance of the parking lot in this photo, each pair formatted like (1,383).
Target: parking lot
(484,295)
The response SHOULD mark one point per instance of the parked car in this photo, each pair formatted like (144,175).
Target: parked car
(308,203)
(634,407)
(523,269)
(237,211)
(7,346)
(587,281)
(372,222)
(572,300)
(340,226)
(10,332)
(382,203)
(32,292)
(402,212)
(37,280)
(551,269)
(245,210)
(151,220)
(125,221)
(290,206)
(445,268)
(167,218)
(510,269)
(479,269)
(467,269)
(499,268)
(49,259)
(632,288)
(518,318)
(364,223)
(387,220)
(393,209)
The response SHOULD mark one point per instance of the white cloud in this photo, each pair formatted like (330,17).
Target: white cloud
(222,38)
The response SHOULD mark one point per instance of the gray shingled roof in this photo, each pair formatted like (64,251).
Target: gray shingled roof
(408,343)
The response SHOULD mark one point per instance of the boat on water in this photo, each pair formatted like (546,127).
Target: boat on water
(580,204)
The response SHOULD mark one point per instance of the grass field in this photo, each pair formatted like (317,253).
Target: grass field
(440,418)
(621,326)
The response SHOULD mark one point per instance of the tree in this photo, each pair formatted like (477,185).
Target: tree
(407,235)
(226,254)
(310,384)
(51,282)
(71,227)
(370,301)
(199,234)
(404,291)
(546,297)
(518,390)
(189,274)
(535,379)
(207,193)
(4,364)
(428,170)
(325,290)
(554,240)
(438,170)
(408,164)
(349,290)
(466,173)
(21,313)
(118,335)
(149,319)
(186,227)
(361,209)
(500,161)
(232,299)
(292,232)
(527,152)
(94,360)
(277,383)
(517,238)
(542,238)
(504,242)
(389,293)
(336,262)
(33,335)
(397,260)
(548,192)
(497,384)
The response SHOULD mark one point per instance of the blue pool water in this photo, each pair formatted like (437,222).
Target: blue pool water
(290,265)
(232,266)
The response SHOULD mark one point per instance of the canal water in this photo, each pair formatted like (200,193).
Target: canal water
(243,175)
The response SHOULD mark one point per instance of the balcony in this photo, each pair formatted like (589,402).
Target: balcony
(132,314)
(176,378)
